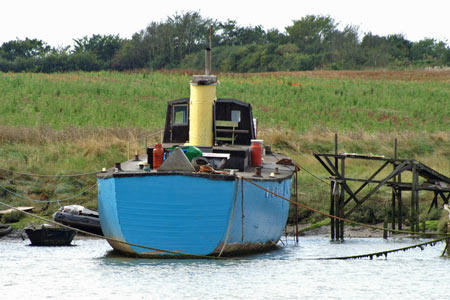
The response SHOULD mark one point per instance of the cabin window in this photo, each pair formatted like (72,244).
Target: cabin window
(180,114)
(236,115)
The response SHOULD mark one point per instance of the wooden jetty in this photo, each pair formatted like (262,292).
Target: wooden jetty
(344,200)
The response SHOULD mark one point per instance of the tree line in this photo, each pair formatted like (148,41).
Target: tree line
(313,42)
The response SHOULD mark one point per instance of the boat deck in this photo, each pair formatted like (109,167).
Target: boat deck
(270,170)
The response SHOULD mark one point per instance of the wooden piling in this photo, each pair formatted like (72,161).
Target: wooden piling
(342,199)
(333,183)
(400,203)
(414,200)
(341,194)
(336,189)
(393,187)
(386,220)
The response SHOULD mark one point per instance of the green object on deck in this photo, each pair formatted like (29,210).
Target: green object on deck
(190,152)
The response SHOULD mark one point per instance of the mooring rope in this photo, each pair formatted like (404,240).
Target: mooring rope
(45,201)
(339,218)
(313,175)
(47,175)
(385,253)
(306,170)
(111,239)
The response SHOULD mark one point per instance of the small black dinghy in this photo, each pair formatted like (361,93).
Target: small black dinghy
(49,235)
(79,217)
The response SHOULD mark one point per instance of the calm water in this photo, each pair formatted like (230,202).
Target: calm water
(89,271)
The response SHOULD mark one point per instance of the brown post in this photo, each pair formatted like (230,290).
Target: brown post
(337,211)
(393,207)
(417,199)
(400,203)
(414,194)
(386,220)
(393,188)
(333,183)
(342,199)
(336,189)
(296,207)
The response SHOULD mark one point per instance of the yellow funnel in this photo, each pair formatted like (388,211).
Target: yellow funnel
(203,95)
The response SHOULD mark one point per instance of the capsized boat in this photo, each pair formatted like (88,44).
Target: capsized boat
(190,195)
(79,217)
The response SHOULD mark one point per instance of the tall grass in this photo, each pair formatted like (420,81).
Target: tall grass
(81,122)
(295,101)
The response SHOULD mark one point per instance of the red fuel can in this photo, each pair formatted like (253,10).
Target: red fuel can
(158,156)
(256,152)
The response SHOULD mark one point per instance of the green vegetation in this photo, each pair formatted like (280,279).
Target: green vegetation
(296,101)
(310,43)
(81,122)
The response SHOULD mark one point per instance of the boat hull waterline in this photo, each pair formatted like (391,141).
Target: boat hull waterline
(200,215)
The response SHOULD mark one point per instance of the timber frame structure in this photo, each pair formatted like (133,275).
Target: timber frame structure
(342,196)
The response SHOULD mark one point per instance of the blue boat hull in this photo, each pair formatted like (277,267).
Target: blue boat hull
(191,214)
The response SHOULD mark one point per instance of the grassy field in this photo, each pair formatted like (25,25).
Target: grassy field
(80,122)
(296,101)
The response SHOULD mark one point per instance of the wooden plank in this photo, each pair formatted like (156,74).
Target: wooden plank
(223,123)
(324,165)
(231,130)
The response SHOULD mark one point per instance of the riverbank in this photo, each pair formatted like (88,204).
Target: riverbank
(351,231)
(323,232)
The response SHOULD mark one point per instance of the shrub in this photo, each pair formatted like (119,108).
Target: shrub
(12,217)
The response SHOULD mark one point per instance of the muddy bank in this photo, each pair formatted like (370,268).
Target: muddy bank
(17,234)
(349,231)
(324,231)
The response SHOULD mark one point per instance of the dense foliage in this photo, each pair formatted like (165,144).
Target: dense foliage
(313,42)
